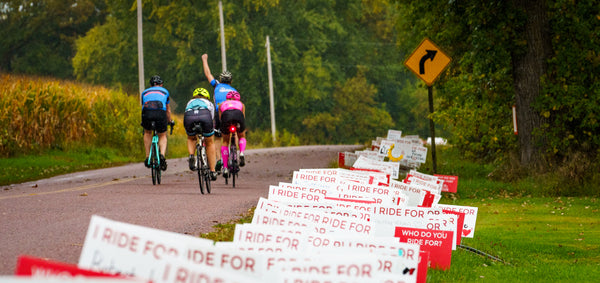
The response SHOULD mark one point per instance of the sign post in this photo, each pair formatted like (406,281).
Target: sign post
(427,62)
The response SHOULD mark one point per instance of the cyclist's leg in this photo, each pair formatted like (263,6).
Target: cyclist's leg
(146,125)
(147,141)
(162,143)
(225,150)
(242,141)
(191,146)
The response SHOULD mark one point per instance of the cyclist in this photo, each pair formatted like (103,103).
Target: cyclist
(156,108)
(233,111)
(221,88)
(200,109)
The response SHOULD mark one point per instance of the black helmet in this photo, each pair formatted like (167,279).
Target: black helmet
(225,77)
(155,80)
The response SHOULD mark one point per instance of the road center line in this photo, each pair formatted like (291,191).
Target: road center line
(91,186)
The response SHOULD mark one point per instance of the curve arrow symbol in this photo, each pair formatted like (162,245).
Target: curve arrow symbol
(430,55)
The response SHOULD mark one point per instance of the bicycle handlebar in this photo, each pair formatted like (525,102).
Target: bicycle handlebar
(171,124)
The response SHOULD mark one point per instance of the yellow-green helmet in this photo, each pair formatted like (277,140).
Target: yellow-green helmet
(201,92)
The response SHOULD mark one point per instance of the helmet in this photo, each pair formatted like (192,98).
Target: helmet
(201,92)
(225,77)
(155,80)
(233,95)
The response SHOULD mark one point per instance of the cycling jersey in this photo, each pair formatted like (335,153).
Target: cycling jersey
(155,98)
(221,90)
(232,104)
(200,103)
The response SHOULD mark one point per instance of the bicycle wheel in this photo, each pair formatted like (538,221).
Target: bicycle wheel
(158,174)
(154,164)
(234,164)
(233,174)
(199,167)
(205,170)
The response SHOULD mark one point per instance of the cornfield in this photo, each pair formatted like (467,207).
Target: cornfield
(41,113)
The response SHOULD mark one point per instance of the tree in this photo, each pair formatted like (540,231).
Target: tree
(355,115)
(38,36)
(529,66)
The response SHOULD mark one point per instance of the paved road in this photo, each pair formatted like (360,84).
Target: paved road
(49,218)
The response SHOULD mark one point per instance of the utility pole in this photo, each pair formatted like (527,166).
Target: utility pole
(140,49)
(273,130)
(222,24)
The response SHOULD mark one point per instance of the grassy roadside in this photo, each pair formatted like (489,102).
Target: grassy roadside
(34,167)
(538,240)
(538,237)
(541,238)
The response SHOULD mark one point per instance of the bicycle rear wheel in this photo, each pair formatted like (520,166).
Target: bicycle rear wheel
(234,173)
(199,168)
(234,167)
(154,165)
(205,171)
(158,174)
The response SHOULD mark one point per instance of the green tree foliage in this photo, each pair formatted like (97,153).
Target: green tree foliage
(571,101)
(354,117)
(315,46)
(37,37)
(476,93)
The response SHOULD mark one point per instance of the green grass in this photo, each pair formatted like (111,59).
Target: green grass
(540,239)
(55,162)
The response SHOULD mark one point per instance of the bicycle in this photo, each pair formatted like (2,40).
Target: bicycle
(232,162)
(201,160)
(154,157)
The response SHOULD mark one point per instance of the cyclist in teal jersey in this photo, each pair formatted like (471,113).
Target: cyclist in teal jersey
(200,110)
(156,108)
(221,88)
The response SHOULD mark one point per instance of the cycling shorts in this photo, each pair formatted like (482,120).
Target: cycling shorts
(232,116)
(154,115)
(201,116)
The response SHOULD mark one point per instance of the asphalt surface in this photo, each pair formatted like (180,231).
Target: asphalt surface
(49,218)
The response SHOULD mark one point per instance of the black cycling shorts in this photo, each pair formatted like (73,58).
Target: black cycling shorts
(201,116)
(158,116)
(232,116)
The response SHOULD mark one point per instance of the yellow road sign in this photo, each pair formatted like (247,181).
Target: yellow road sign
(427,61)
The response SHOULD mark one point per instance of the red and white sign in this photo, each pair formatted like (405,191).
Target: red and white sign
(450,184)
(150,254)
(437,242)
(38,267)
(468,229)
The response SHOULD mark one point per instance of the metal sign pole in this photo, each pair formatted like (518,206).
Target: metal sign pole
(432,129)
(140,49)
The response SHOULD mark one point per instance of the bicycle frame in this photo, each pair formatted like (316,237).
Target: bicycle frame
(202,160)
(154,157)
(232,163)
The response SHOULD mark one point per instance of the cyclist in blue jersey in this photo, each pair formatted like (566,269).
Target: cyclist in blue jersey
(221,88)
(156,108)
(200,110)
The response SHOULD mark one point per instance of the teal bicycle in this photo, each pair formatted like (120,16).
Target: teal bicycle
(154,157)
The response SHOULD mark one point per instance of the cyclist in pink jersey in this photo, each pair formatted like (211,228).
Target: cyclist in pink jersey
(232,111)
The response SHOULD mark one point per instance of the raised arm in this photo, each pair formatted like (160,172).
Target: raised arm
(207,73)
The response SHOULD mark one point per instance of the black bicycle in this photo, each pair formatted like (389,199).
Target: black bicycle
(201,160)
(154,157)
(232,162)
